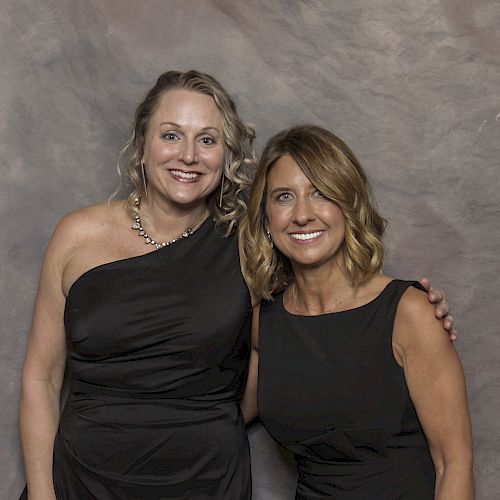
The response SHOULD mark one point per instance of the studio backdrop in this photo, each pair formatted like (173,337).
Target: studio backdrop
(413,87)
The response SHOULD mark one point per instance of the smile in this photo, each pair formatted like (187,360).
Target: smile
(185,176)
(306,236)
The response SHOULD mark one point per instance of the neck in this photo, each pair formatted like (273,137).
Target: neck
(320,290)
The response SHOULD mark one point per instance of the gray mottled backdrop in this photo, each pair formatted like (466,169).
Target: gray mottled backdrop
(413,87)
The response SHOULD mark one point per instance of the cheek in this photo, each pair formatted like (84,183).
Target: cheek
(213,158)
(277,219)
(341,225)
(156,153)
(335,215)
(215,165)
(217,160)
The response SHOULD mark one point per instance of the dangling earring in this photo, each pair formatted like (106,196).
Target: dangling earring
(144,180)
(269,238)
(221,190)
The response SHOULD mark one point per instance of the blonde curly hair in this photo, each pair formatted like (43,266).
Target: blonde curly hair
(239,158)
(333,169)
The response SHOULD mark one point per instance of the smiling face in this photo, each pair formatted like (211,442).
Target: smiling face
(184,148)
(305,226)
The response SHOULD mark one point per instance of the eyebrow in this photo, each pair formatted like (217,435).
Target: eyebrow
(278,189)
(204,129)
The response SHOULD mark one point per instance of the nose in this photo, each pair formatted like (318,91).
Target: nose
(188,153)
(303,211)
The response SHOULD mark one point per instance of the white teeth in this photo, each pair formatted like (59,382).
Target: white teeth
(185,175)
(305,236)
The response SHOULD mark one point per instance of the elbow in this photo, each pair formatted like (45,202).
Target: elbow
(464,464)
(460,457)
(463,459)
(455,476)
(34,389)
(42,379)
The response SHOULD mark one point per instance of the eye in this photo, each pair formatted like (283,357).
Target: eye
(170,136)
(318,194)
(284,196)
(207,140)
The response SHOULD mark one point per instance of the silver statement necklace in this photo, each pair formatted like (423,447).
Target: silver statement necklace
(137,226)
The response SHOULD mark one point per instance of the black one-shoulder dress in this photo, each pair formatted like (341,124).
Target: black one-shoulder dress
(332,393)
(158,350)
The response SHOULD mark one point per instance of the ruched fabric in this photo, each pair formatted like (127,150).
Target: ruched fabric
(331,392)
(158,350)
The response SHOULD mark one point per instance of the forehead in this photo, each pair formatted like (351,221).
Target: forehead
(286,172)
(187,108)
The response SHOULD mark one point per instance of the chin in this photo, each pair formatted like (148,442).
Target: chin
(188,198)
(311,261)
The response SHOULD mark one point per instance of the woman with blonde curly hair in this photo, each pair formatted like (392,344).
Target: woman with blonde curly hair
(355,375)
(144,301)
(134,298)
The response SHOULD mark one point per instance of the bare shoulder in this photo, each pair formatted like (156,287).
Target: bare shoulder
(85,238)
(416,325)
(85,225)
(415,306)
(79,225)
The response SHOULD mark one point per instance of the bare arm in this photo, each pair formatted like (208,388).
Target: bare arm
(437,387)
(249,400)
(43,374)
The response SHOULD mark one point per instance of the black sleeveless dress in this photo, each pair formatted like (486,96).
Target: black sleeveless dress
(331,392)
(158,350)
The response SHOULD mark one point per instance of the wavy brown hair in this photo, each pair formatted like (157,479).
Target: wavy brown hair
(333,169)
(239,158)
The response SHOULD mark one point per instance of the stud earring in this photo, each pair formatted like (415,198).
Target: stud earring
(269,238)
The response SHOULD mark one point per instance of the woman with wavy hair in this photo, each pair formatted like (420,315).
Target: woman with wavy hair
(134,298)
(355,375)
(144,301)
